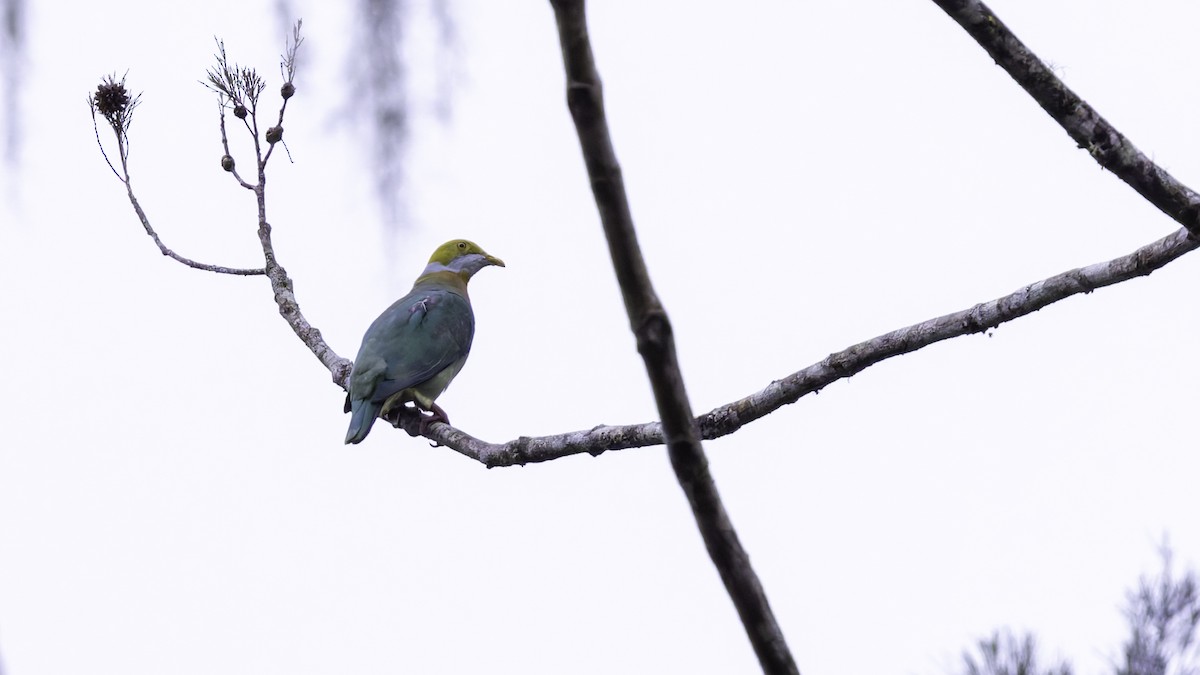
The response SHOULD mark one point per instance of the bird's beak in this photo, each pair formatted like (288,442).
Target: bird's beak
(493,260)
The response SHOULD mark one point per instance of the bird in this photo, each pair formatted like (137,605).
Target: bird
(416,346)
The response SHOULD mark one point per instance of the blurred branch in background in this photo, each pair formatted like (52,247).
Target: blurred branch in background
(285,15)
(379,90)
(1163,613)
(446,65)
(1006,654)
(383,94)
(12,66)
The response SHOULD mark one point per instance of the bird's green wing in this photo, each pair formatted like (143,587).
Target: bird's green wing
(418,337)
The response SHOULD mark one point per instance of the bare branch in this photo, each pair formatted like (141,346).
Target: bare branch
(289,308)
(656,343)
(237,271)
(113,102)
(242,86)
(287,68)
(1092,132)
(980,318)
(729,418)
(227,161)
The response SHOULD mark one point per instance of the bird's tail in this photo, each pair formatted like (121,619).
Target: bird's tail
(362,416)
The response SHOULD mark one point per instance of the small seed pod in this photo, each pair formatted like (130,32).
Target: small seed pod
(227,163)
(274,135)
(111,98)
(287,90)
(239,111)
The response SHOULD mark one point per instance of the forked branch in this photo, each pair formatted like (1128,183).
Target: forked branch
(239,90)
(115,106)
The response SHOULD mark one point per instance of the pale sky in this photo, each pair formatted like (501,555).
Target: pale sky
(174,492)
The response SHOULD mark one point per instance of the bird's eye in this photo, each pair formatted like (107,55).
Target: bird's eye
(462,245)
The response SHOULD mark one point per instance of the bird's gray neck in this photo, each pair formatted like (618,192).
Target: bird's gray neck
(467,264)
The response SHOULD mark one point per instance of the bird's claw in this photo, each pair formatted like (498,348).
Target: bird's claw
(435,415)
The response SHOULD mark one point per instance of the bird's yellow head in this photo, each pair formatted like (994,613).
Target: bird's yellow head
(461,257)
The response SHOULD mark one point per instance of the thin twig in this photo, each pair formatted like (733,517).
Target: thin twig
(655,341)
(229,153)
(103,151)
(115,105)
(237,271)
(730,417)
(1092,132)
(287,67)
(239,84)
(137,208)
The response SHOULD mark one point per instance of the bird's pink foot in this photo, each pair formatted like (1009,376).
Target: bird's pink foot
(435,415)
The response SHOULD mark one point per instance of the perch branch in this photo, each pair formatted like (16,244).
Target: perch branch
(1109,147)
(730,417)
(656,344)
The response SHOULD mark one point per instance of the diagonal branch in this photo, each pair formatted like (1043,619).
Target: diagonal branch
(730,417)
(285,295)
(284,287)
(650,325)
(977,319)
(1092,132)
